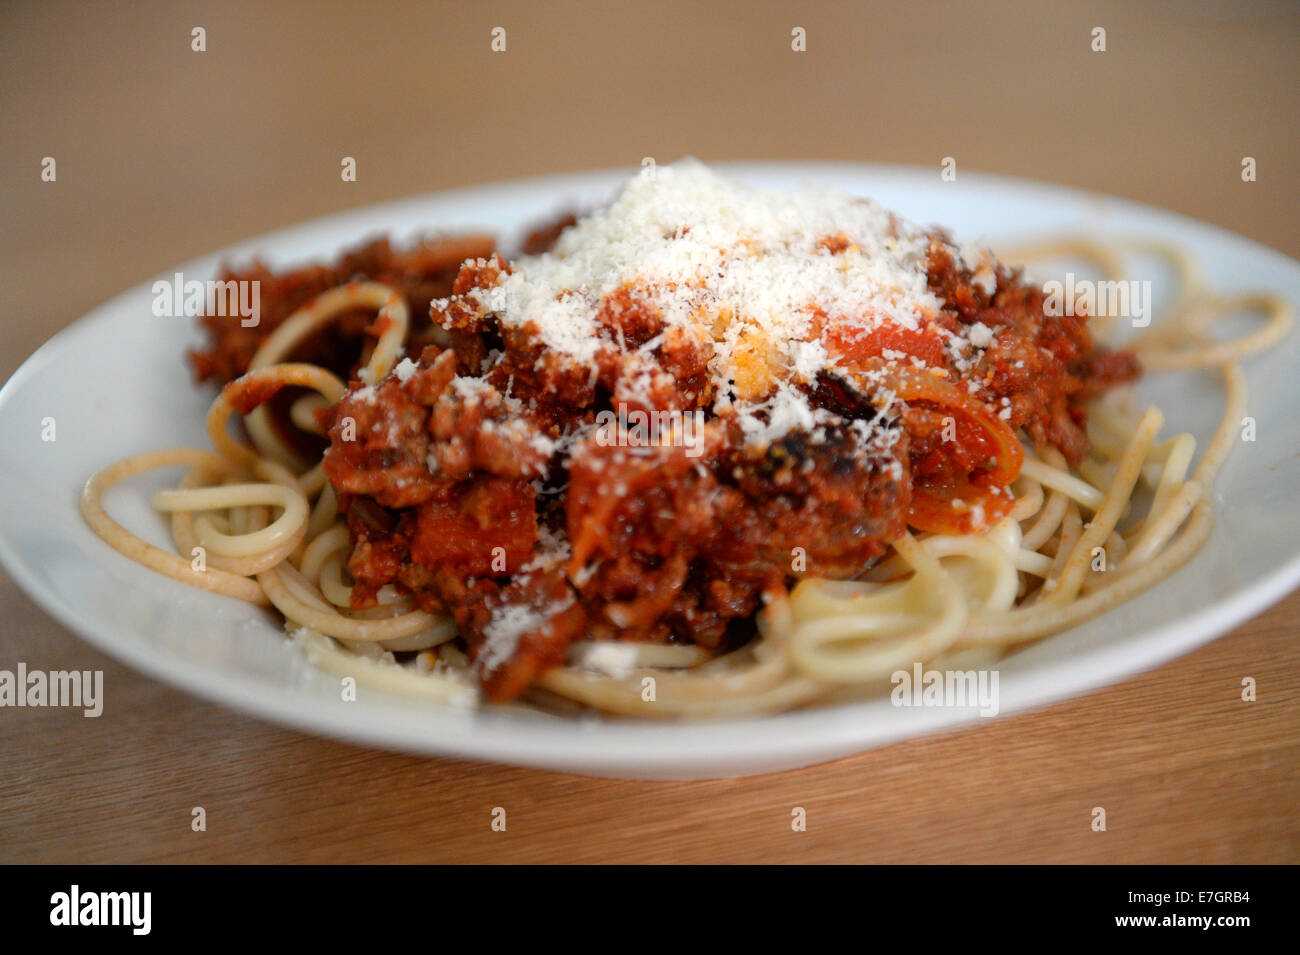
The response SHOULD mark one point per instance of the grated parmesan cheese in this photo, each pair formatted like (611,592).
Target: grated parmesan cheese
(753,270)
(405,369)
(980,335)
(508,624)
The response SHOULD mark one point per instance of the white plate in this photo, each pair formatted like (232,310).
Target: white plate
(116,385)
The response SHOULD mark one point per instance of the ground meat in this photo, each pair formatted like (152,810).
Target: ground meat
(680,541)
(420,273)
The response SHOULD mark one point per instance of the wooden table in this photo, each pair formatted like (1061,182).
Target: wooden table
(164,153)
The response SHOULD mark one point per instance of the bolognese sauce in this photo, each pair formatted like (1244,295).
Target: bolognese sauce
(419,273)
(851,377)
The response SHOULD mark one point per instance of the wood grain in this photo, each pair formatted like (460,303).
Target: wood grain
(164,154)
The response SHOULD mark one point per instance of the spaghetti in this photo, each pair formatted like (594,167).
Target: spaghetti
(979,572)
